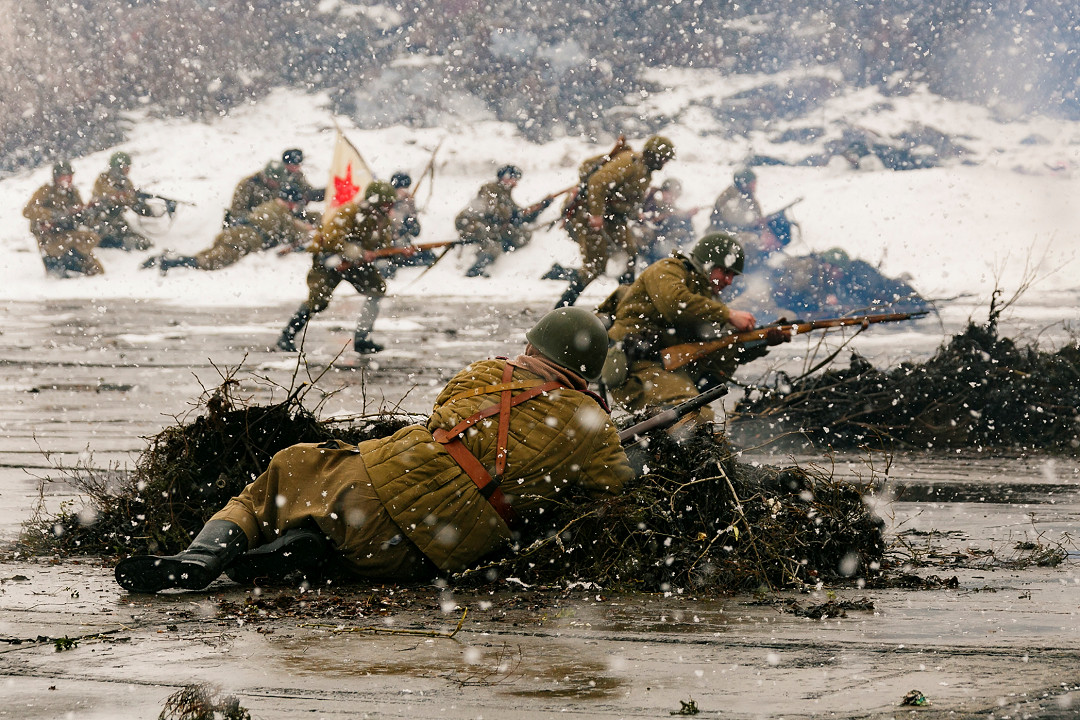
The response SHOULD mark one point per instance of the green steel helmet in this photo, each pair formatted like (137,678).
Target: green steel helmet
(380,192)
(61,168)
(119,160)
(658,150)
(718,250)
(275,171)
(573,338)
(671,185)
(744,177)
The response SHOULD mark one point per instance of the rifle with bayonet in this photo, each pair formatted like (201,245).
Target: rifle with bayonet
(667,418)
(676,356)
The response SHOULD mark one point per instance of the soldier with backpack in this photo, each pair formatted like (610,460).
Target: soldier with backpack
(610,194)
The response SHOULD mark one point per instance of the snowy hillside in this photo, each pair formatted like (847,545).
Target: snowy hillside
(1004,211)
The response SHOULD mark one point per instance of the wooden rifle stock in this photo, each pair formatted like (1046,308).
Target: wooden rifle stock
(672,415)
(676,356)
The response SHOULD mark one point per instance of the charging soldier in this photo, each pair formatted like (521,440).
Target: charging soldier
(56,214)
(495,222)
(610,196)
(505,444)
(675,301)
(343,253)
(269,225)
(113,195)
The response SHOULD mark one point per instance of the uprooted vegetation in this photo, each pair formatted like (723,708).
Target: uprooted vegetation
(979,390)
(696,518)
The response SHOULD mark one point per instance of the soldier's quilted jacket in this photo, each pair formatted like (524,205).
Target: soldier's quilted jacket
(557,441)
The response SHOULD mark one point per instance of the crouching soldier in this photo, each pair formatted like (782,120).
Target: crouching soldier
(495,222)
(269,225)
(56,213)
(675,301)
(506,441)
(113,195)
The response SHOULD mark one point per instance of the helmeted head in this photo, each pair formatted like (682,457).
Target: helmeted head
(292,156)
(62,168)
(512,172)
(658,151)
(274,172)
(573,338)
(671,185)
(380,193)
(119,161)
(744,178)
(400,180)
(718,250)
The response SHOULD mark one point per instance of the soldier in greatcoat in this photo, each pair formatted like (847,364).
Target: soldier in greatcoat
(507,441)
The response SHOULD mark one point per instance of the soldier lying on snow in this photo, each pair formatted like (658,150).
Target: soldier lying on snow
(423,501)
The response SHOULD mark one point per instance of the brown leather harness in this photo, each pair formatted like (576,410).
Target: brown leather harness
(451,439)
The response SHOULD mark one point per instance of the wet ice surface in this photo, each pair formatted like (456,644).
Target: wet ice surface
(87,382)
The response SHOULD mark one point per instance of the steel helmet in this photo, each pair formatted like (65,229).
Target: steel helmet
(292,156)
(718,250)
(119,160)
(658,150)
(380,192)
(573,338)
(744,177)
(61,168)
(400,180)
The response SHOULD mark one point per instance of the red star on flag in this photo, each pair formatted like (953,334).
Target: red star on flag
(344,188)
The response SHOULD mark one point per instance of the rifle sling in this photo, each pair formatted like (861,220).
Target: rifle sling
(451,439)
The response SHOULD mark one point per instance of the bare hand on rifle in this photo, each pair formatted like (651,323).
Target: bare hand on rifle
(742,320)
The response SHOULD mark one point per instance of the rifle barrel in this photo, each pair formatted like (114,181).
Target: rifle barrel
(676,356)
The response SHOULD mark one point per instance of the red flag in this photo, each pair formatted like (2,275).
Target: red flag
(349,174)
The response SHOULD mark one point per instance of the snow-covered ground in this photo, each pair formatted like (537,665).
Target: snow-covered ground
(1004,214)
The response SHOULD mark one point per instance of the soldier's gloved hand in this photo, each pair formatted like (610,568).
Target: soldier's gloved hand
(776,336)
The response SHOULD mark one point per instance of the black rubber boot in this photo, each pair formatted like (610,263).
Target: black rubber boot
(299,320)
(297,550)
(365,345)
(216,545)
(570,296)
(168,263)
(479,268)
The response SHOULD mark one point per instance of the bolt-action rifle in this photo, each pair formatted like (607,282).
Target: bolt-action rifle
(676,356)
(672,415)
(170,203)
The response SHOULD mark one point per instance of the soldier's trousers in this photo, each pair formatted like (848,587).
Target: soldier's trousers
(327,484)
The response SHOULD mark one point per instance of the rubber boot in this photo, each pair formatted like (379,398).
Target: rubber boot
(216,545)
(168,263)
(479,268)
(295,551)
(299,320)
(570,296)
(365,321)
